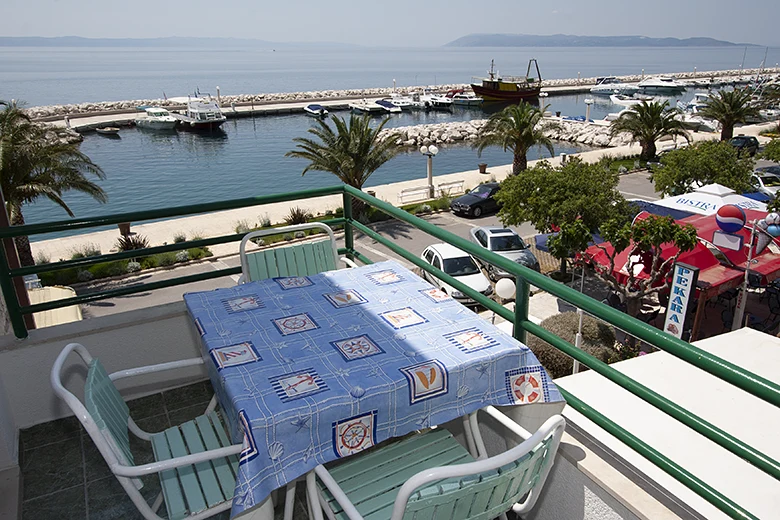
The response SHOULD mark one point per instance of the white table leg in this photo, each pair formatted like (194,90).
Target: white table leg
(264,511)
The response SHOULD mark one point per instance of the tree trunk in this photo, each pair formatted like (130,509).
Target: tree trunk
(519,163)
(633,306)
(648,151)
(23,248)
(726,132)
(563,266)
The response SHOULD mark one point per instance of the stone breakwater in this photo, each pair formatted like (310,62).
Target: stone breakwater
(319,95)
(450,133)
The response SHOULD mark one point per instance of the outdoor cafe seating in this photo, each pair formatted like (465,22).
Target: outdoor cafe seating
(309,371)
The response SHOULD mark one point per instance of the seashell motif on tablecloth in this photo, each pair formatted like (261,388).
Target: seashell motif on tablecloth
(275,450)
(357,392)
(463,391)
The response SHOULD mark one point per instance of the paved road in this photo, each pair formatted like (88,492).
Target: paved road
(634,185)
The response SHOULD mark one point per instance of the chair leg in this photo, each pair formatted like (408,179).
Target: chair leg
(157,502)
(289,501)
(312,497)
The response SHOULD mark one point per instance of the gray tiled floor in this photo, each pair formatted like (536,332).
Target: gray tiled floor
(65,477)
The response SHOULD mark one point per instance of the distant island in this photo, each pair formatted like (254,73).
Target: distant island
(174,41)
(567,40)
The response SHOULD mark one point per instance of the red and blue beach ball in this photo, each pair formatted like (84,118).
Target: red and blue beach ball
(730,218)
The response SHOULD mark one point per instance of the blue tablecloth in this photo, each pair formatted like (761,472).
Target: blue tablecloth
(315,368)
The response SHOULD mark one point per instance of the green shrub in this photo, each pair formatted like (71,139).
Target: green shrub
(166,259)
(300,234)
(243,226)
(772,149)
(132,242)
(265,221)
(149,262)
(178,238)
(42,258)
(287,237)
(339,212)
(84,276)
(598,340)
(297,216)
(182,256)
(196,253)
(85,251)
(133,267)
(61,277)
(108,269)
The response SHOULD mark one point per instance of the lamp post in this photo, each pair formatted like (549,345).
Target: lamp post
(429,152)
(588,102)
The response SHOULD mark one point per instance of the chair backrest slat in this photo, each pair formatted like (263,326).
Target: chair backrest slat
(109,411)
(483,496)
(301,259)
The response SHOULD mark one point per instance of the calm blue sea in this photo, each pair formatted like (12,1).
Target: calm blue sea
(148,170)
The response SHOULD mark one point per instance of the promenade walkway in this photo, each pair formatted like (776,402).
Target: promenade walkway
(224,222)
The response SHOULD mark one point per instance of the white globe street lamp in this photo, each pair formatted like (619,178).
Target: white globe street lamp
(429,152)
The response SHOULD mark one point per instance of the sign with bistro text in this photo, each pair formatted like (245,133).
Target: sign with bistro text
(684,279)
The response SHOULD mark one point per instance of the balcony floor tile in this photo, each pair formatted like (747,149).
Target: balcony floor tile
(52,467)
(67,503)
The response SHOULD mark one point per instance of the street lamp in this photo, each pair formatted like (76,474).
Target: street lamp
(429,152)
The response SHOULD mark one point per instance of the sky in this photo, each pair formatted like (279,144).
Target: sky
(394,23)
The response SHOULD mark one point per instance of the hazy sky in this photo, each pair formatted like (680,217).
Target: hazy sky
(394,22)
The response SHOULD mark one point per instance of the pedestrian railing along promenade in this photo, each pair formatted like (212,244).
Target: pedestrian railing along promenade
(747,381)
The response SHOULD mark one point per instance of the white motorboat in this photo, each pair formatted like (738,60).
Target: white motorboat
(405,102)
(609,85)
(661,84)
(465,99)
(315,110)
(365,107)
(201,114)
(388,105)
(156,118)
(433,100)
(629,101)
(691,117)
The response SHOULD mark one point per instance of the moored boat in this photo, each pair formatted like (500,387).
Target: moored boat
(466,99)
(388,105)
(405,102)
(365,107)
(432,100)
(629,101)
(200,114)
(661,84)
(156,118)
(508,88)
(609,85)
(108,130)
(315,110)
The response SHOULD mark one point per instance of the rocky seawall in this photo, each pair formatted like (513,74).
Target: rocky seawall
(451,133)
(320,95)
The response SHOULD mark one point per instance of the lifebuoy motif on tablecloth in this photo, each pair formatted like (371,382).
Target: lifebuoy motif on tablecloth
(525,387)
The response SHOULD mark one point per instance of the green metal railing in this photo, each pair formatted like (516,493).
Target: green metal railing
(747,381)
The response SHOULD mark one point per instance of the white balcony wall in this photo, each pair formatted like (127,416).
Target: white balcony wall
(126,340)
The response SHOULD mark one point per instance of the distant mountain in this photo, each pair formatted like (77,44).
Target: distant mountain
(174,41)
(566,40)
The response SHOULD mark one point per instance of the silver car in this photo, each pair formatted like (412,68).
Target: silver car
(506,243)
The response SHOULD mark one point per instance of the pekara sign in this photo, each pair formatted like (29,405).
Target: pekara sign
(684,279)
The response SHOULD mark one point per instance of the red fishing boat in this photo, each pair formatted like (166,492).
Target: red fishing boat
(508,88)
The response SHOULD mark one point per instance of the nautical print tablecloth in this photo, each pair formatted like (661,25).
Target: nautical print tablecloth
(310,369)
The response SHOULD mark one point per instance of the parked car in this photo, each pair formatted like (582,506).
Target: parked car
(745,143)
(461,266)
(507,243)
(478,201)
(766,182)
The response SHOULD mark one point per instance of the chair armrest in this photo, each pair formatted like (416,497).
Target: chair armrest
(150,369)
(176,462)
(347,261)
(334,488)
(503,419)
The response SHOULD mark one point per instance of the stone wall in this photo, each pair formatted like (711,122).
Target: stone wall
(119,106)
(449,133)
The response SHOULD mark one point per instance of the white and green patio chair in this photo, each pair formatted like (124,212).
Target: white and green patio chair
(301,259)
(195,461)
(431,476)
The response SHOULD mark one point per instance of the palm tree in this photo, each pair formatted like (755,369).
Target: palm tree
(729,108)
(352,152)
(36,162)
(516,128)
(648,122)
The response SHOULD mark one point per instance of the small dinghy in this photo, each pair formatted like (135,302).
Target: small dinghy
(315,110)
(108,130)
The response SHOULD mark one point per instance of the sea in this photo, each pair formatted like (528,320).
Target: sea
(148,170)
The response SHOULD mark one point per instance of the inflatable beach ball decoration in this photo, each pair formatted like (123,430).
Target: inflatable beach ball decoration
(730,218)
(773,219)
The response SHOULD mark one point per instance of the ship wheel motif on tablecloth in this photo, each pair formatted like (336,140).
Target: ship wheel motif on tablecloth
(354,434)
(294,324)
(525,387)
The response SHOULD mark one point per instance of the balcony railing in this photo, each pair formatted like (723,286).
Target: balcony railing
(525,277)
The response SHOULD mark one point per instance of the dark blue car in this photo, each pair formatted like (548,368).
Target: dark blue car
(477,202)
